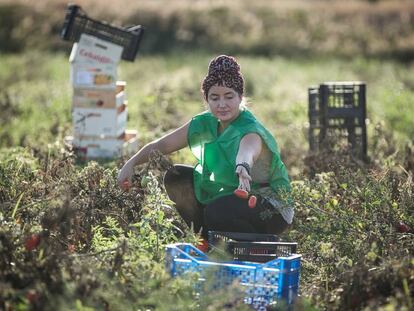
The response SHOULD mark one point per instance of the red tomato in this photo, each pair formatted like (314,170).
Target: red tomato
(242,194)
(31,295)
(32,242)
(252,201)
(403,228)
(126,185)
(203,246)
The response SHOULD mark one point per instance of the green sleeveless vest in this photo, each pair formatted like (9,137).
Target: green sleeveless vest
(214,174)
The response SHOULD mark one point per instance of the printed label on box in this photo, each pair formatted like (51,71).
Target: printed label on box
(96,121)
(89,75)
(98,98)
(84,77)
(90,49)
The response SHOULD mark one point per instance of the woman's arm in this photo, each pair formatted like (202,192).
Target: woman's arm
(249,150)
(169,143)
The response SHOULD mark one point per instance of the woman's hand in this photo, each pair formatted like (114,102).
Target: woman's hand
(125,175)
(171,142)
(244,178)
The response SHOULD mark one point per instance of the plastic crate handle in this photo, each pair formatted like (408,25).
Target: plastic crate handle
(282,262)
(184,250)
(71,12)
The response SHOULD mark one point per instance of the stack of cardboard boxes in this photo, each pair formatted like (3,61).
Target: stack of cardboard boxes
(99,105)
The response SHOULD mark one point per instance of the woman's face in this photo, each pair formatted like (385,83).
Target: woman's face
(224,103)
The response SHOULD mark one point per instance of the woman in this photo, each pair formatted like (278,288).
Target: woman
(234,151)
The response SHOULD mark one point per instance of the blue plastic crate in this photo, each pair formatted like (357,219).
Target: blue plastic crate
(263,283)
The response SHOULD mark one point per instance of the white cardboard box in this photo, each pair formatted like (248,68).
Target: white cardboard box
(93,62)
(98,98)
(120,86)
(95,51)
(94,147)
(109,122)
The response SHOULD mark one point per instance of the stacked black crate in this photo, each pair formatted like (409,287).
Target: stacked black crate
(337,113)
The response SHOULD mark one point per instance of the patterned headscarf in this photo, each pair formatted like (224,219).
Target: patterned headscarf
(224,71)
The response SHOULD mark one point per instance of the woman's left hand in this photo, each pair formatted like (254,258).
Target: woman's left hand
(244,178)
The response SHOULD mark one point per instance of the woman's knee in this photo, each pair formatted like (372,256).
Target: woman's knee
(174,174)
(227,213)
(216,214)
(212,216)
(177,177)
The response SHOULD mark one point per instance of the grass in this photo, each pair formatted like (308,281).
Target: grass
(317,27)
(163,93)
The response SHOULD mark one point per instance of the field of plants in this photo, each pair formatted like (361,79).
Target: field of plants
(71,239)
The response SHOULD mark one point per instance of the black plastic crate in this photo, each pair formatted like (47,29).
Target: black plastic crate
(337,113)
(250,246)
(315,118)
(216,237)
(260,251)
(77,22)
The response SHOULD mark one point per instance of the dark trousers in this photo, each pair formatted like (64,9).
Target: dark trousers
(228,213)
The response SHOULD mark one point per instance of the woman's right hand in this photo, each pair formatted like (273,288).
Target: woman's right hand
(125,176)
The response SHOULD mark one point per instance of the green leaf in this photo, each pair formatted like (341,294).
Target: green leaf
(16,206)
